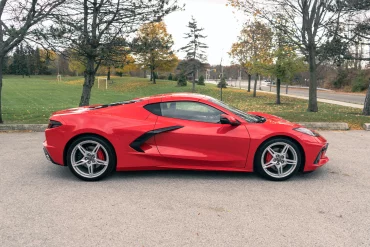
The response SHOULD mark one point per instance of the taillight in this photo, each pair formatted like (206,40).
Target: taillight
(54,124)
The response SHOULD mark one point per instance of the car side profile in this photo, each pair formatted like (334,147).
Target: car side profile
(179,131)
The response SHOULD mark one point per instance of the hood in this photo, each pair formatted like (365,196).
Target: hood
(272,119)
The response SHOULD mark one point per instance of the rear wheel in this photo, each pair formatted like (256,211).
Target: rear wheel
(91,158)
(278,159)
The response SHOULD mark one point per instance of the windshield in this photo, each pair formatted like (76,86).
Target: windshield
(240,113)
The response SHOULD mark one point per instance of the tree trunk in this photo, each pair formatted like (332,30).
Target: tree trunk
(154,77)
(108,74)
(88,83)
(255,86)
(151,74)
(193,89)
(366,110)
(249,82)
(278,82)
(1,86)
(312,97)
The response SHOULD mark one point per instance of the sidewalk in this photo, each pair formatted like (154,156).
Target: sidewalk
(358,106)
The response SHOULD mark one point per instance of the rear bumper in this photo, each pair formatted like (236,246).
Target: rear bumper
(48,156)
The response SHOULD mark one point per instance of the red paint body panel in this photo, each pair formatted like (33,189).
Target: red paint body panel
(196,145)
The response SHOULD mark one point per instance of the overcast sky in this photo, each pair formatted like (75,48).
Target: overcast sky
(221,26)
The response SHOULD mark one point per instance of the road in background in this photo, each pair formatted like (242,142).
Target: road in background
(322,94)
(42,204)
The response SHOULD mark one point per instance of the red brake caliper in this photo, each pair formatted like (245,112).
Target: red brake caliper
(268,157)
(100,154)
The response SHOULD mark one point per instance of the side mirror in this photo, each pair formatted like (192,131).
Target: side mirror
(227,119)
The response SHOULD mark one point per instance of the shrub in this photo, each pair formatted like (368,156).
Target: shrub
(175,78)
(181,80)
(170,77)
(341,79)
(222,83)
(359,83)
(201,80)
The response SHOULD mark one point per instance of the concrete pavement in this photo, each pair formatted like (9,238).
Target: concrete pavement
(45,205)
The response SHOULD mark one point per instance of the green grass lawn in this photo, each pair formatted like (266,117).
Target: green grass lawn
(32,100)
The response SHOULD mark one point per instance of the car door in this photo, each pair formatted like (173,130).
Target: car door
(194,137)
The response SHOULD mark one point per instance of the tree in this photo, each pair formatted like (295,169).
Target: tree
(361,30)
(311,24)
(253,50)
(182,81)
(128,64)
(195,48)
(242,54)
(19,65)
(153,45)
(75,65)
(366,110)
(96,30)
(17,19)
(188,66)
(287,63)
(222,82)
(201,80)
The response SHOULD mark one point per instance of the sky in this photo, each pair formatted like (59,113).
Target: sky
(221,26)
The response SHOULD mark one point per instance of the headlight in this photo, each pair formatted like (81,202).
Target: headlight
(306,131)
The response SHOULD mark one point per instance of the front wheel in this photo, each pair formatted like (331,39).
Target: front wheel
(278,159)
(91,158)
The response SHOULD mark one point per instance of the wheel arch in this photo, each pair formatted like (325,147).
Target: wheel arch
(283,137)
(82,135)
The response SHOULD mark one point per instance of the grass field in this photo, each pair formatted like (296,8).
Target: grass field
(32,100)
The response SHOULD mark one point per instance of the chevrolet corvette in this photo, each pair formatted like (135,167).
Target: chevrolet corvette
(179,131)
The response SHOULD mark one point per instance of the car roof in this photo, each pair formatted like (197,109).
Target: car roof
(174,96)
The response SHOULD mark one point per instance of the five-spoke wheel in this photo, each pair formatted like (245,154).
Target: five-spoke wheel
(278,159)
(90,158)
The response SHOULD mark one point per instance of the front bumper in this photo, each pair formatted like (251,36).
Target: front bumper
(321,159)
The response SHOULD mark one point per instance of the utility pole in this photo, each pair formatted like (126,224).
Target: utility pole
(221,76)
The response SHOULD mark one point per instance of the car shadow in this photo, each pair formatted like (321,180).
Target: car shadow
(184,174)
(63,173)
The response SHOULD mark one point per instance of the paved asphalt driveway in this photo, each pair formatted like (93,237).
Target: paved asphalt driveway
(44,205)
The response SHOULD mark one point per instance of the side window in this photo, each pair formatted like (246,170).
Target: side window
(189,110)
(154,108)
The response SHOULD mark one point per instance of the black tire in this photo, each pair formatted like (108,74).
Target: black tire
(291,170)
(109,155)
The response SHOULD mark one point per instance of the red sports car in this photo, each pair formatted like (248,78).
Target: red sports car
(179,131)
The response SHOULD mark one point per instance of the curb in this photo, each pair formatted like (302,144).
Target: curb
(326,126)
(23,127)
(366,126)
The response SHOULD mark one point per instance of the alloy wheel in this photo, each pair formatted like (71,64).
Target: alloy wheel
(89,159)
(279,160)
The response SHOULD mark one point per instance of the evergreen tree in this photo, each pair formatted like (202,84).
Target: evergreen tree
(19,65)
(182,80)
(201,80)
(37,60)
(222,82)
(195,48)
